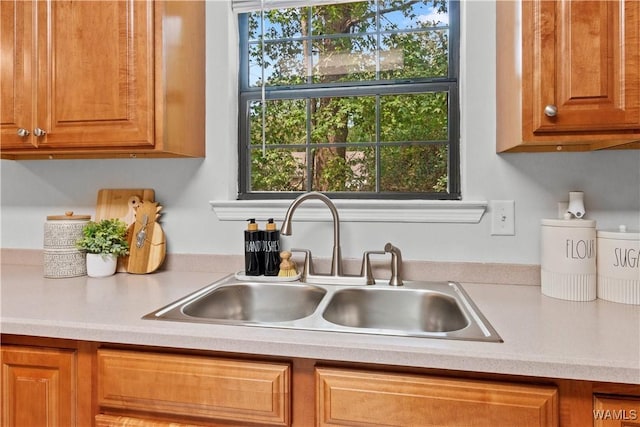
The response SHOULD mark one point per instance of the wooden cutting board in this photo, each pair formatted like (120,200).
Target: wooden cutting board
(121,202)
(147,244)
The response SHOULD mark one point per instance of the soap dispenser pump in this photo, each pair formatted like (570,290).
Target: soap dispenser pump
(271,247)
(253,251)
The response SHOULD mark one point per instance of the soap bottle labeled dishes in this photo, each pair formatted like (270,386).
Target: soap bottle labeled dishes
(253,252)
(271,247)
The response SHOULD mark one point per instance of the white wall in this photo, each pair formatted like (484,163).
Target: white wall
(31,190)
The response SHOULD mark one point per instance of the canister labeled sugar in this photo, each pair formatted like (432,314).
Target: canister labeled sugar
(619,266)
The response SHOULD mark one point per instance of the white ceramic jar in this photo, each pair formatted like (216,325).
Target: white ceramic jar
(619,266)
(61,258)
(568,259)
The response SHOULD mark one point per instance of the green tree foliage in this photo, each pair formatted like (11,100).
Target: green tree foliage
(373,142)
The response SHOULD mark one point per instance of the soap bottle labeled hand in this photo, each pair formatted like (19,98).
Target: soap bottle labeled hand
(253,252)
(271,247)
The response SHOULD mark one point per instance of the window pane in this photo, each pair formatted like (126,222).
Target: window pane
(346,18)
(278,24)
(278,170)
(344,59)
(417,15)
(339,169)
(415,55)
(413,168)
(285,122)
(343,119)
(284,63)
(414,117)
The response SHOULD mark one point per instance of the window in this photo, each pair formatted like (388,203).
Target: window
(355,99)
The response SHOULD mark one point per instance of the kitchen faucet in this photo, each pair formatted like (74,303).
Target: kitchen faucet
(336,275)
(286,229)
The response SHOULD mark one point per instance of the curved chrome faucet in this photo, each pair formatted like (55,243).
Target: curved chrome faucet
(336,259)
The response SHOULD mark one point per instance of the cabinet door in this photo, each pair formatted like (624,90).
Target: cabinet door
(16,88)
(585,62)
(37,387)
(77,74)
(95,82)
(347,397)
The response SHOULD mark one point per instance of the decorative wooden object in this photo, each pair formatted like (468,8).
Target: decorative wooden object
(147,244)
(121,202)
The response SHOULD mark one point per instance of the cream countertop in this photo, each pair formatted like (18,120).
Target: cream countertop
(543,336)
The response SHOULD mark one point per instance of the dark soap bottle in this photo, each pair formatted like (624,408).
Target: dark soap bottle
(253,253)
(271,247)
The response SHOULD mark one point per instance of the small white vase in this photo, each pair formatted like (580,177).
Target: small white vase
(101,265)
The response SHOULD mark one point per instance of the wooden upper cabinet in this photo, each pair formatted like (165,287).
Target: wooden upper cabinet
(16,84)
(568,75)
(102,79)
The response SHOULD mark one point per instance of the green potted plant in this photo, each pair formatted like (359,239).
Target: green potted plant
(104,241)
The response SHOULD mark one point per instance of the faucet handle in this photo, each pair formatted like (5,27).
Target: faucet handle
(365,270)
(307,268)
(396,264)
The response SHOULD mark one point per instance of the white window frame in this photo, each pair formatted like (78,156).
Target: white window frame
(355,210)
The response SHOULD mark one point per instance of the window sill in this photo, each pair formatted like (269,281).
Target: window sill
(426,211)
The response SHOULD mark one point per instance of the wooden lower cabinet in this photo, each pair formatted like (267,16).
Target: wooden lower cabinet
(350,397)
(193,387)
(616,411)
(52,382)
(38,387)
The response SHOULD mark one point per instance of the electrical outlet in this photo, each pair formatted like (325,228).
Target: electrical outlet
(562,209)
(503,221)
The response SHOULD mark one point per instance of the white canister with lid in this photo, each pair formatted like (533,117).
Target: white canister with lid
(61,258)
(568,259)
(619,266)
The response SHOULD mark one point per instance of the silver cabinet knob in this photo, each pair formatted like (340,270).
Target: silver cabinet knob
(22,132)
(39,132)
(550,110)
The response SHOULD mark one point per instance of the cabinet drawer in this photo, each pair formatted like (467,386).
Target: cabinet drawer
(361,398)
(117,421)
(194,386)
(616,411)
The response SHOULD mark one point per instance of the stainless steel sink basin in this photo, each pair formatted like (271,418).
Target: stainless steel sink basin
(410,310)
(417,309)
(256,302)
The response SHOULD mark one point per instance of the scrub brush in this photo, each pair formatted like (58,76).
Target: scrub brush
(287,265)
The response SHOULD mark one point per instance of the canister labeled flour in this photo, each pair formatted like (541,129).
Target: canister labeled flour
(619,266)
(61,258)
(568,261)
